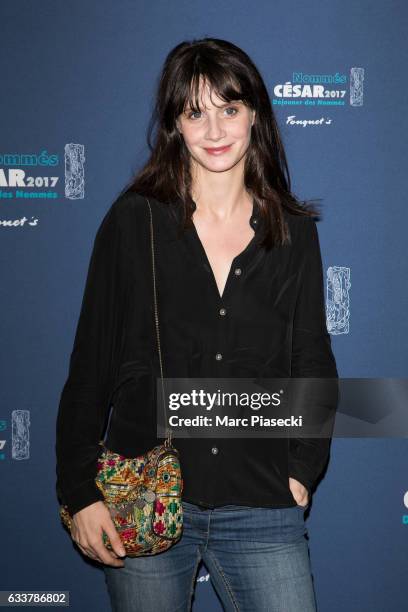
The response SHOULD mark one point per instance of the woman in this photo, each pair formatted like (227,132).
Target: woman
(240,289)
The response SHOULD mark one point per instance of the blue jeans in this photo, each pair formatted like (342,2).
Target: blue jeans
(258,560)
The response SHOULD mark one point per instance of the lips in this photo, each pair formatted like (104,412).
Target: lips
(217,150)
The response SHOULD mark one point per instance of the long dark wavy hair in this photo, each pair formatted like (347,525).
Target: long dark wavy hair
(233,76)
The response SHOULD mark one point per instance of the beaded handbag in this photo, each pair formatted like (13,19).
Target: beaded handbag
(143,494)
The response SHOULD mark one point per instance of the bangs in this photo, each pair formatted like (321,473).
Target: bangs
(219,81)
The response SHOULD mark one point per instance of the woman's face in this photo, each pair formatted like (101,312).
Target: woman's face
(217,125)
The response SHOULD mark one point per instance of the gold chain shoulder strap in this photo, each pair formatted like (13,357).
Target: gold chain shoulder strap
(156,317)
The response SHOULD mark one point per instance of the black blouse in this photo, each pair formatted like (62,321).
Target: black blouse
(270,321)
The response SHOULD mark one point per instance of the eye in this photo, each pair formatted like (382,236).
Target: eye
(193,113)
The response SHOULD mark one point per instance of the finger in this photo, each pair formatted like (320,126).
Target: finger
(301,500)
(305,501)
(114,538)
(300,494)
(105,555)
(87,552)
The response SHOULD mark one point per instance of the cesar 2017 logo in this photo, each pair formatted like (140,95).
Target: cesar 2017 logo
(20,435)
(405,516)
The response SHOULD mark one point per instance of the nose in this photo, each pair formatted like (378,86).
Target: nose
(215,131)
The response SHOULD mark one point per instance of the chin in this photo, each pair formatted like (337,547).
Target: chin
(219,167)
(218,164)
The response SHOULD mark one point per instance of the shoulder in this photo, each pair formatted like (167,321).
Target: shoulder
(131,206)
(302,229)
(128,217)
(127,213)
(122,222)
(127,205)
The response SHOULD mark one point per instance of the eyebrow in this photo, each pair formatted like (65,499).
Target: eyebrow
(221,105)
(228,103)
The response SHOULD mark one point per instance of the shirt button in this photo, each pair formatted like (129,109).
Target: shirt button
(218,356)
(223,311)
(214,450)
(237,271)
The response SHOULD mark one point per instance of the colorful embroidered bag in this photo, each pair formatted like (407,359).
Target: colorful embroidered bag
(143,494)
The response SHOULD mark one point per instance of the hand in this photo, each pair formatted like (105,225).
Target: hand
(87,527)
(299,492)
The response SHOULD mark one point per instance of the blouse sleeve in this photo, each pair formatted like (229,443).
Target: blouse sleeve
(84,402)
(312,357)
